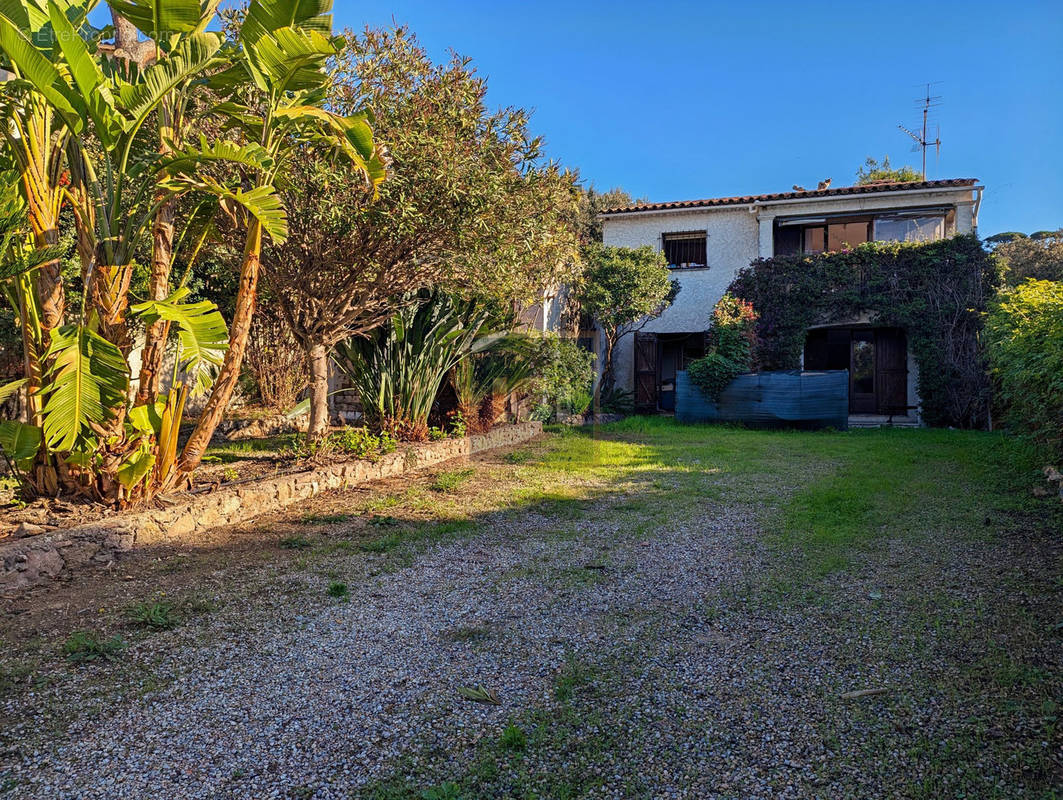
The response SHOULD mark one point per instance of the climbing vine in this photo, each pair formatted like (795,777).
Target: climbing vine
(935,291)
(730,343)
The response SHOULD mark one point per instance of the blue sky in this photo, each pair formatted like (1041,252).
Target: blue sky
(678,100)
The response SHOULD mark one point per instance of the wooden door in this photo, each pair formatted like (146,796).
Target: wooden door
(891,365)
(646,371)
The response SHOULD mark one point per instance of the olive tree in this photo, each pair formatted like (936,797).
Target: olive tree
(623,289)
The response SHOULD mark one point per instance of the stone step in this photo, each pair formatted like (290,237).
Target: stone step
(882,421)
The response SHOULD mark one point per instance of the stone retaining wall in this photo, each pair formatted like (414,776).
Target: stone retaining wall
(34,560)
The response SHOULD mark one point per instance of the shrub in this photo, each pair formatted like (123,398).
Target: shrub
(1024,339)
(565,374)
(356,442)
(731,345)
(616,401)
(275,362)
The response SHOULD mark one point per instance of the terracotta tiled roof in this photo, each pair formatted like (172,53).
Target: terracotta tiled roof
(870,188)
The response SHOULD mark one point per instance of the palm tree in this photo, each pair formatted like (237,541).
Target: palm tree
(283,50)
(120,189)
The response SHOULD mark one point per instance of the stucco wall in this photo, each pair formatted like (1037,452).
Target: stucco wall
(736,235)
(731,245)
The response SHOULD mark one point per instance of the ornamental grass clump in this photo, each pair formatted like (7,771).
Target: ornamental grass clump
(731,346)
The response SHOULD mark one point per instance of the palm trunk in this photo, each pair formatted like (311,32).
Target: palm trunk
(156,334)
(491,409)
(51,301)
(317,360)
(161,263)
(109,296)
(50,286)
(234,357)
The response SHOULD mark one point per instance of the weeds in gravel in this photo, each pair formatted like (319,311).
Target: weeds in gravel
(470,633)
(176,563)
(325,519)
(156,614)
(15,674)
(513,738)
(295,543)
(378,504)
(574,675)
(198,604)
(521,456)
(84,646)
(443,791)
(338,589)
(381,544)
(450,480)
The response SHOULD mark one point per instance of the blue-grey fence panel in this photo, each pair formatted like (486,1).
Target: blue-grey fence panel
(772,399)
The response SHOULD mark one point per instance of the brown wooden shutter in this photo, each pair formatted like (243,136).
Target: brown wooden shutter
(646,371)
(891,359)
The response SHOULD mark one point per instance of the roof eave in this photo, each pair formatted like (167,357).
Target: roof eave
(782,198)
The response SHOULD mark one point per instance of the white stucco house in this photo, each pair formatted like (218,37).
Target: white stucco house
(708,241)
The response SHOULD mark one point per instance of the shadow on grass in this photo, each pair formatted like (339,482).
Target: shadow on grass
(820,498)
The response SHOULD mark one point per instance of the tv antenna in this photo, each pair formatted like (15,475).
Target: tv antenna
(921,141)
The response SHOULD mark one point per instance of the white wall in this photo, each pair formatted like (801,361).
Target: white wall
(731,245)
(736,236)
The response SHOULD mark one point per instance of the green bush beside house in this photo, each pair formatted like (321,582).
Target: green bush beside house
(1024,342)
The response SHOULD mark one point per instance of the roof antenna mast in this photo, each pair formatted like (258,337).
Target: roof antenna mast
(921,142)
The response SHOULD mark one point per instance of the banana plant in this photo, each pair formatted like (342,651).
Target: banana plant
(21,262)
(36,140)
(118,184)
(274,96)
(164,24)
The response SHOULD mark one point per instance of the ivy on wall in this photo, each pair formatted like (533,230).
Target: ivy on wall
(935,291)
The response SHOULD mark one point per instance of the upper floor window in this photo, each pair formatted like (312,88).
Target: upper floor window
(909,229)
(685,250)
(793,236)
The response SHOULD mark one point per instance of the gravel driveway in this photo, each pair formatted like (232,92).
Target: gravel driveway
(630,661)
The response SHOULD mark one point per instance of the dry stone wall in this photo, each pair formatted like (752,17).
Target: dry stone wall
(36,560)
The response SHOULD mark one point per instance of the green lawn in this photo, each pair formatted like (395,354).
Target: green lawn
(842,515)
(738,584)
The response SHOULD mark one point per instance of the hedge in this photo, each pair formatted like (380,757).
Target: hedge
(1024,339)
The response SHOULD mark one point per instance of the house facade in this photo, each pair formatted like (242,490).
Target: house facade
(708,241)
